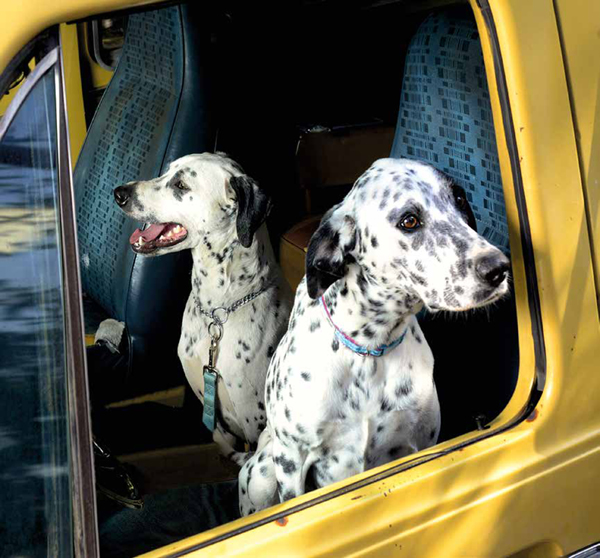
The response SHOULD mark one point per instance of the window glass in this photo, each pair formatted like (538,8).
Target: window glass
(35,508)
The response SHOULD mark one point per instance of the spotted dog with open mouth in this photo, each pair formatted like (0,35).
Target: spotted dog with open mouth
(350,386)
(205,203)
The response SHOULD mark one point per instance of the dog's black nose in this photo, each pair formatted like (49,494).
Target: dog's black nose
(122,195)
(492,269)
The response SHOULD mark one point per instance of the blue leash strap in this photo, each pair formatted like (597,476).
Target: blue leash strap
(209,414)
(211,375)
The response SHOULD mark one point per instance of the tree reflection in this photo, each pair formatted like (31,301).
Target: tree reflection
(35,515)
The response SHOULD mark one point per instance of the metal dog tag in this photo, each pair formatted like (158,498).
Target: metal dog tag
(209,415)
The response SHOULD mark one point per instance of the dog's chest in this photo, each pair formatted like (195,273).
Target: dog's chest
(374,418)
(366,411)
(243,354)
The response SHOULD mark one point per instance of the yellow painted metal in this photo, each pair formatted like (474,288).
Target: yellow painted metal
(74,93)
(579,23)
(6,99)
(24,19)
(530,491)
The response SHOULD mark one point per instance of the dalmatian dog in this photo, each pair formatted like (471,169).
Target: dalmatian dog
(205,203)
(350,386)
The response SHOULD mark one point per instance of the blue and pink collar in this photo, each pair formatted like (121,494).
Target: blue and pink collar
(353,345)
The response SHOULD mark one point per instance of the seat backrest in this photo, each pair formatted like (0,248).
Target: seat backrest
(445,119)
(155,109)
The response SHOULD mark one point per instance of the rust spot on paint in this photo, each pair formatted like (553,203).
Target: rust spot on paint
(282,521)
(533,416)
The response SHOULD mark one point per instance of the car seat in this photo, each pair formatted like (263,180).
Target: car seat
(445,119)
(156,108)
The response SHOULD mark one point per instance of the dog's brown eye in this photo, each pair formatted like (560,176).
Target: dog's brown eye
(410,222)
(180,185)
(461,201)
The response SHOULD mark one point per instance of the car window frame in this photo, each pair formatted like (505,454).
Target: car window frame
(48,48)
(71,252)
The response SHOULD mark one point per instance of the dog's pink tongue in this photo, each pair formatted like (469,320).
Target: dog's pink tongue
(148,234)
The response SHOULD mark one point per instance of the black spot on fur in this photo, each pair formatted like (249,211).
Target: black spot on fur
(287,465)
(394,216)
(393,452)
(404,388)
(386,406)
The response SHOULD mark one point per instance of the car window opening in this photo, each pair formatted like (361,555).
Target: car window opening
(306,129)
(304,107)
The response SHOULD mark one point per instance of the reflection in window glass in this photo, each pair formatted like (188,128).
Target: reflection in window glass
(35,510)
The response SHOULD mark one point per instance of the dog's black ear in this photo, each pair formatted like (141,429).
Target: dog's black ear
(470,217)
(329,251)
(253,207)
(460,198)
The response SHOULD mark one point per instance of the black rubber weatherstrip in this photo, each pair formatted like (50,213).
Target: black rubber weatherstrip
(39,46)
(537,329)
(534,309)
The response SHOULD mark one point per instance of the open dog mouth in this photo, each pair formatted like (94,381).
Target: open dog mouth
(158,235)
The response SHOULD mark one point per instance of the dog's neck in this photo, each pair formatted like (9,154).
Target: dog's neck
(369,314)
(225,272)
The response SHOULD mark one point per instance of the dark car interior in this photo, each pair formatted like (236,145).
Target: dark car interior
(304,98)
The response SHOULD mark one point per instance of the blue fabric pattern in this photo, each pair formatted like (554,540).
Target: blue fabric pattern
(445,117)
(139,104)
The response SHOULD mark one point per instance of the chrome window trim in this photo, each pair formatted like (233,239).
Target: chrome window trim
(592,551)
(83,496)
(40,70)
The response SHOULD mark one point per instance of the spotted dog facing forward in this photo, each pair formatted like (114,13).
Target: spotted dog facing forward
(206,203)
(350,386)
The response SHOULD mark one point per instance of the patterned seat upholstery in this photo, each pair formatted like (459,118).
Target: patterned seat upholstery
(445,116)
(154,110)
(445,119)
